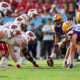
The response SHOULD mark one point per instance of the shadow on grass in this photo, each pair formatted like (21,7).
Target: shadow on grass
(3,76)
(55,68)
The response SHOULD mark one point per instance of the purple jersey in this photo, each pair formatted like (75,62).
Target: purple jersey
(75,30)
(58,30)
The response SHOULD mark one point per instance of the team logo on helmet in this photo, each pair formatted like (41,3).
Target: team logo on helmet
(57,17)
(31,34)
(13,27)
(4,5)
(19,19)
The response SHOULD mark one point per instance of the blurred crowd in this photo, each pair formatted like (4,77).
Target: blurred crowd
(45,8)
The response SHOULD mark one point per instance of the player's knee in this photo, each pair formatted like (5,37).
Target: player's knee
(24,50)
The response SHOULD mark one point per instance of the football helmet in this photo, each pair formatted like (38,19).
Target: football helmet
(57,17)
(32,12)
(15,29)
(79,8)
(78,16)
(25,18)
(19,21)
(31,36)
(4,8)
(67,26)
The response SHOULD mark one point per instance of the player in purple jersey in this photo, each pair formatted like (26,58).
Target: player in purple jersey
(66,27)
(74,37)
(57,29)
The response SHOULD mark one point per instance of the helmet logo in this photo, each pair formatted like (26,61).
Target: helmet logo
(13,27)
(30,34)
(4,5)
(19,19)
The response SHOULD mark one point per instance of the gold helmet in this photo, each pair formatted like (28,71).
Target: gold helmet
(67,25)
(57,17)
(78,16)
(79,8)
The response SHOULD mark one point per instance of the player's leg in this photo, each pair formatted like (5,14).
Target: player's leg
(66,56)
(4,61)
(71,56)
(28,57)
(43,49)
(22,58)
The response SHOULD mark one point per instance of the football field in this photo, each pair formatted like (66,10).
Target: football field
(28,72)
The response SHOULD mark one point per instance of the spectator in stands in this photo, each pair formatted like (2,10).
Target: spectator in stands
(33,46)
(53,10)
(13,4)
(20,8)
(47,4)
(45,12)
(30,4)
(8,1)
(62,10)
(47,39)
(71,17)
(40,33)
(38,6)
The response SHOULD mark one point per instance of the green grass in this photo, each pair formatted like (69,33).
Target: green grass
(28,72)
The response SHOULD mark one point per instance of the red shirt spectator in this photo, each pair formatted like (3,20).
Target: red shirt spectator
(20,5)
(39,8)
(19,8)
(8,1)
(30,4)
(47,4)
(14,4)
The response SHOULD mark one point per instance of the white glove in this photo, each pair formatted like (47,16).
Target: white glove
(59,44)
(53,55)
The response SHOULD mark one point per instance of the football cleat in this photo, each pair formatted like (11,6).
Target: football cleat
(10,65)
(67,66)
(65,63)
(50,62)
(18,66)
(71,66)
(36,65)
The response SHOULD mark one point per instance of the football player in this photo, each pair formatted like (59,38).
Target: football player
(4,12)
(66,26)
(23,40)
(5,9)
(32,13)
(20,21)
(57,29)
(7,36)
(74,46)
